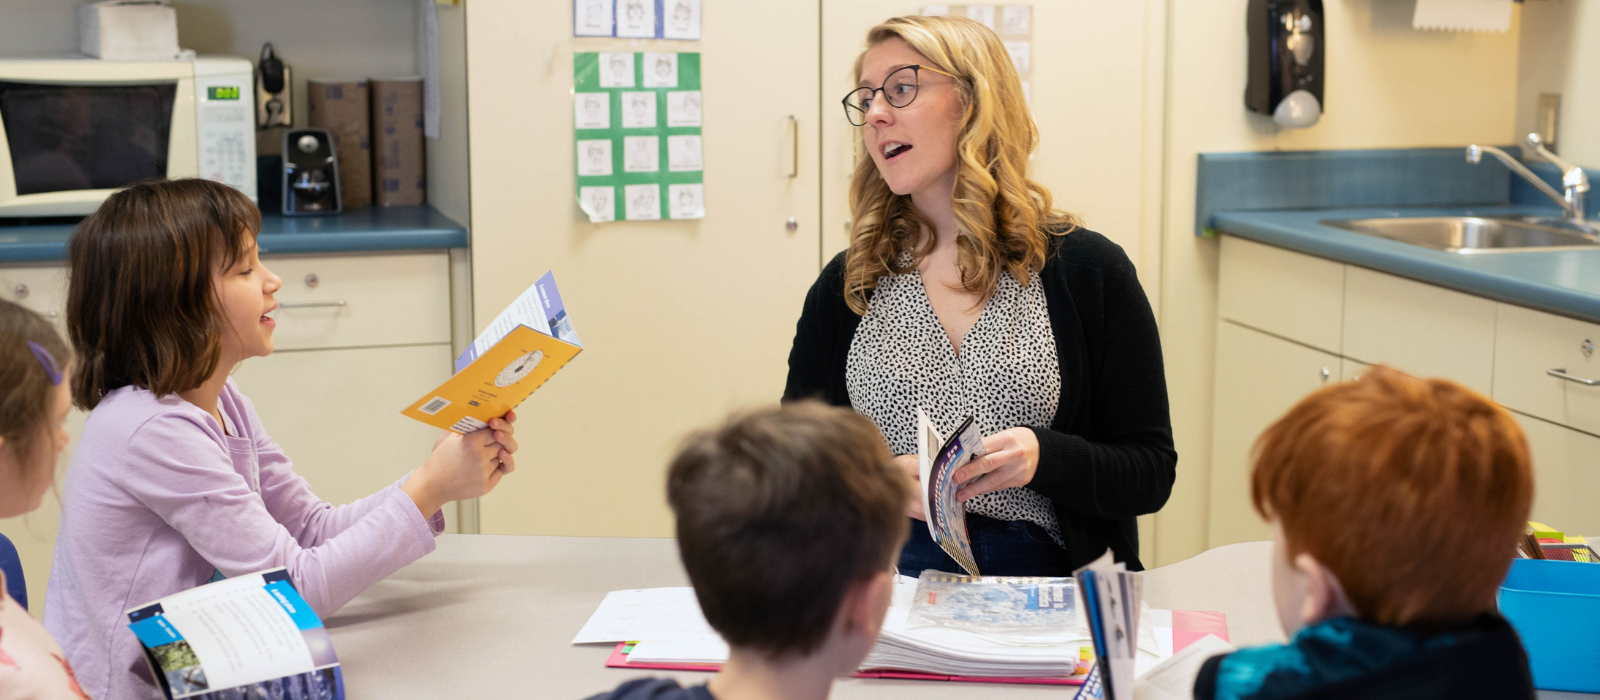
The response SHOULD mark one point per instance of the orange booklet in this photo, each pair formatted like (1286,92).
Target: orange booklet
(525,345)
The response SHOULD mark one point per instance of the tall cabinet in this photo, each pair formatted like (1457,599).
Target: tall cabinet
(683,321)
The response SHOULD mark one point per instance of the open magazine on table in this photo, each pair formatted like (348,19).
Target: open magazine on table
(245,637)
(938,459)
(523,347)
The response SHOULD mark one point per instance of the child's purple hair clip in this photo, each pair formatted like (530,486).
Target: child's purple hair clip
(48,360)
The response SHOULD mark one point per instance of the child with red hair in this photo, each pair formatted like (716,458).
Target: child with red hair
(1397,504)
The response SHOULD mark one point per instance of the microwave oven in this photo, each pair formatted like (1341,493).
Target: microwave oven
(74,130)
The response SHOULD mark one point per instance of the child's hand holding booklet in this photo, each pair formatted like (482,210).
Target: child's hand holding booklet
(526,344)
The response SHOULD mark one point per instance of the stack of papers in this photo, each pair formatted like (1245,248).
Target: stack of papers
(665,623)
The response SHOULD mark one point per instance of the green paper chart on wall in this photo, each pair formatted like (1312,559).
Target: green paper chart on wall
(636,127)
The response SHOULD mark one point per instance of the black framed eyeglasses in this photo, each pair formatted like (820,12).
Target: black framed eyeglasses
(899,89)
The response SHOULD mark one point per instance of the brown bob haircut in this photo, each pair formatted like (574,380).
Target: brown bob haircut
(1413,492)
(25,385)
(779,513)
(140,308)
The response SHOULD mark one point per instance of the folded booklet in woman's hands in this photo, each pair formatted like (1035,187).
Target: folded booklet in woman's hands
(938,459)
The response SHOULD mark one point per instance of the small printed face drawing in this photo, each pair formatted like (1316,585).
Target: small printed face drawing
(596,156)
(686,200)
(591,107)
(640,106)
(641,158)
(691,105)
(681,12)
(635,10)
(645,200)
(619,67)
(663,67)
(595,12)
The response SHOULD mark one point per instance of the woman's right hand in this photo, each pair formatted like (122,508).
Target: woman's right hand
(913,468)
(463,467)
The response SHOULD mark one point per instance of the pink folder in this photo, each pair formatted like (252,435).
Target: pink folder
(1188,626)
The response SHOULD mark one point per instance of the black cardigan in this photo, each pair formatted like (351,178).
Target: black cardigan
(1108,456)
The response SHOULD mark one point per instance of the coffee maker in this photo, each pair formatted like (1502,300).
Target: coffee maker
(310,173)
(1287,43)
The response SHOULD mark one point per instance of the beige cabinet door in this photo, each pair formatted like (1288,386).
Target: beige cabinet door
(1258,378)
(681,321)
(1091,70)
(1566,473)
(1420,329)
(336,413)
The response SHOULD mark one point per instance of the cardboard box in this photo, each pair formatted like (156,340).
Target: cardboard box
(399,176)
(343,107)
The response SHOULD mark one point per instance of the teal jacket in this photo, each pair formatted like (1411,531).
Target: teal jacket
(1347,658)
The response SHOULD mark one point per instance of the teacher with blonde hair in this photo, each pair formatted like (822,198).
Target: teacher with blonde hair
(964,293)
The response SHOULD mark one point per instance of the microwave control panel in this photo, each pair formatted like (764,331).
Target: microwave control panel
(225,124)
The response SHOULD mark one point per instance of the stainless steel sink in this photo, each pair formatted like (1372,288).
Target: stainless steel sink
(1475,234)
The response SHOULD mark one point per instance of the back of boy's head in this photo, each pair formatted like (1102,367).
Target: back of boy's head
(779,513)
(27,380)
(140,307)
(1413,492)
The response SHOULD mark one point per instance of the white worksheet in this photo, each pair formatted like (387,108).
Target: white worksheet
(647,613)
(616,69)
(592,110)
(661,70)
(638,110)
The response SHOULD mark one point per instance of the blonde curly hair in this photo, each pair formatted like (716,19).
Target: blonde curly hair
(1006,217)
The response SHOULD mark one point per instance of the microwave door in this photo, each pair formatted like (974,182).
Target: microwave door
(86,137)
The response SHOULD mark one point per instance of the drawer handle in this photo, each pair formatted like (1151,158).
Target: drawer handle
(310,304)
(1562,374)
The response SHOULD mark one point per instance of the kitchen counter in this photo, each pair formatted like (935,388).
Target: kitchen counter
(1560,282)
(371,229)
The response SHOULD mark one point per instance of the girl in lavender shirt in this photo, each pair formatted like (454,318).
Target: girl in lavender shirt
(34,370)
(175,479)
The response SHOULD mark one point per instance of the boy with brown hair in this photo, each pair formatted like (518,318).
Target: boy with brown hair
(789,524)
(1397,504)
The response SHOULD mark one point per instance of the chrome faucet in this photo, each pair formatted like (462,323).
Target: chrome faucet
(1572,177)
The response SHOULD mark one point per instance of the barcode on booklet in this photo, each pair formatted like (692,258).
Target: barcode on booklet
(435,405)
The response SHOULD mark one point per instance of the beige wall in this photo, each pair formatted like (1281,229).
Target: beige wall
(1388,86)
(1556,58)
(1091,66)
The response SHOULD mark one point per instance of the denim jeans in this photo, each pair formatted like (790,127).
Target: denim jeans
(1000,548)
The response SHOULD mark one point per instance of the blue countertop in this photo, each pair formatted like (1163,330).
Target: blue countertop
(1561,282)
(370,229)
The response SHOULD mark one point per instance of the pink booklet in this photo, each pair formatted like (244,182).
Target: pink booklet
(1187,627)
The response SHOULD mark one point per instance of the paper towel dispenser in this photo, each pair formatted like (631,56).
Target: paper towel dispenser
(1287,46)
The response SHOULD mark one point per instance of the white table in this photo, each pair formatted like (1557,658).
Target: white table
(489,616)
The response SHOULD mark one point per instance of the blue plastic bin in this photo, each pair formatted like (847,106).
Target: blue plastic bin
(1555,607)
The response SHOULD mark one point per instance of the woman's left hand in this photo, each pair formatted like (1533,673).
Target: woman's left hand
(1013,457)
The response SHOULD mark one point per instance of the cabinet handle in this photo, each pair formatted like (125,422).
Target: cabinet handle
(310,304)
(794,147)
(1575,379)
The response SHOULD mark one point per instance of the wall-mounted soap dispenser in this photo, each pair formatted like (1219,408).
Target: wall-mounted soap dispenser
(1287,46)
